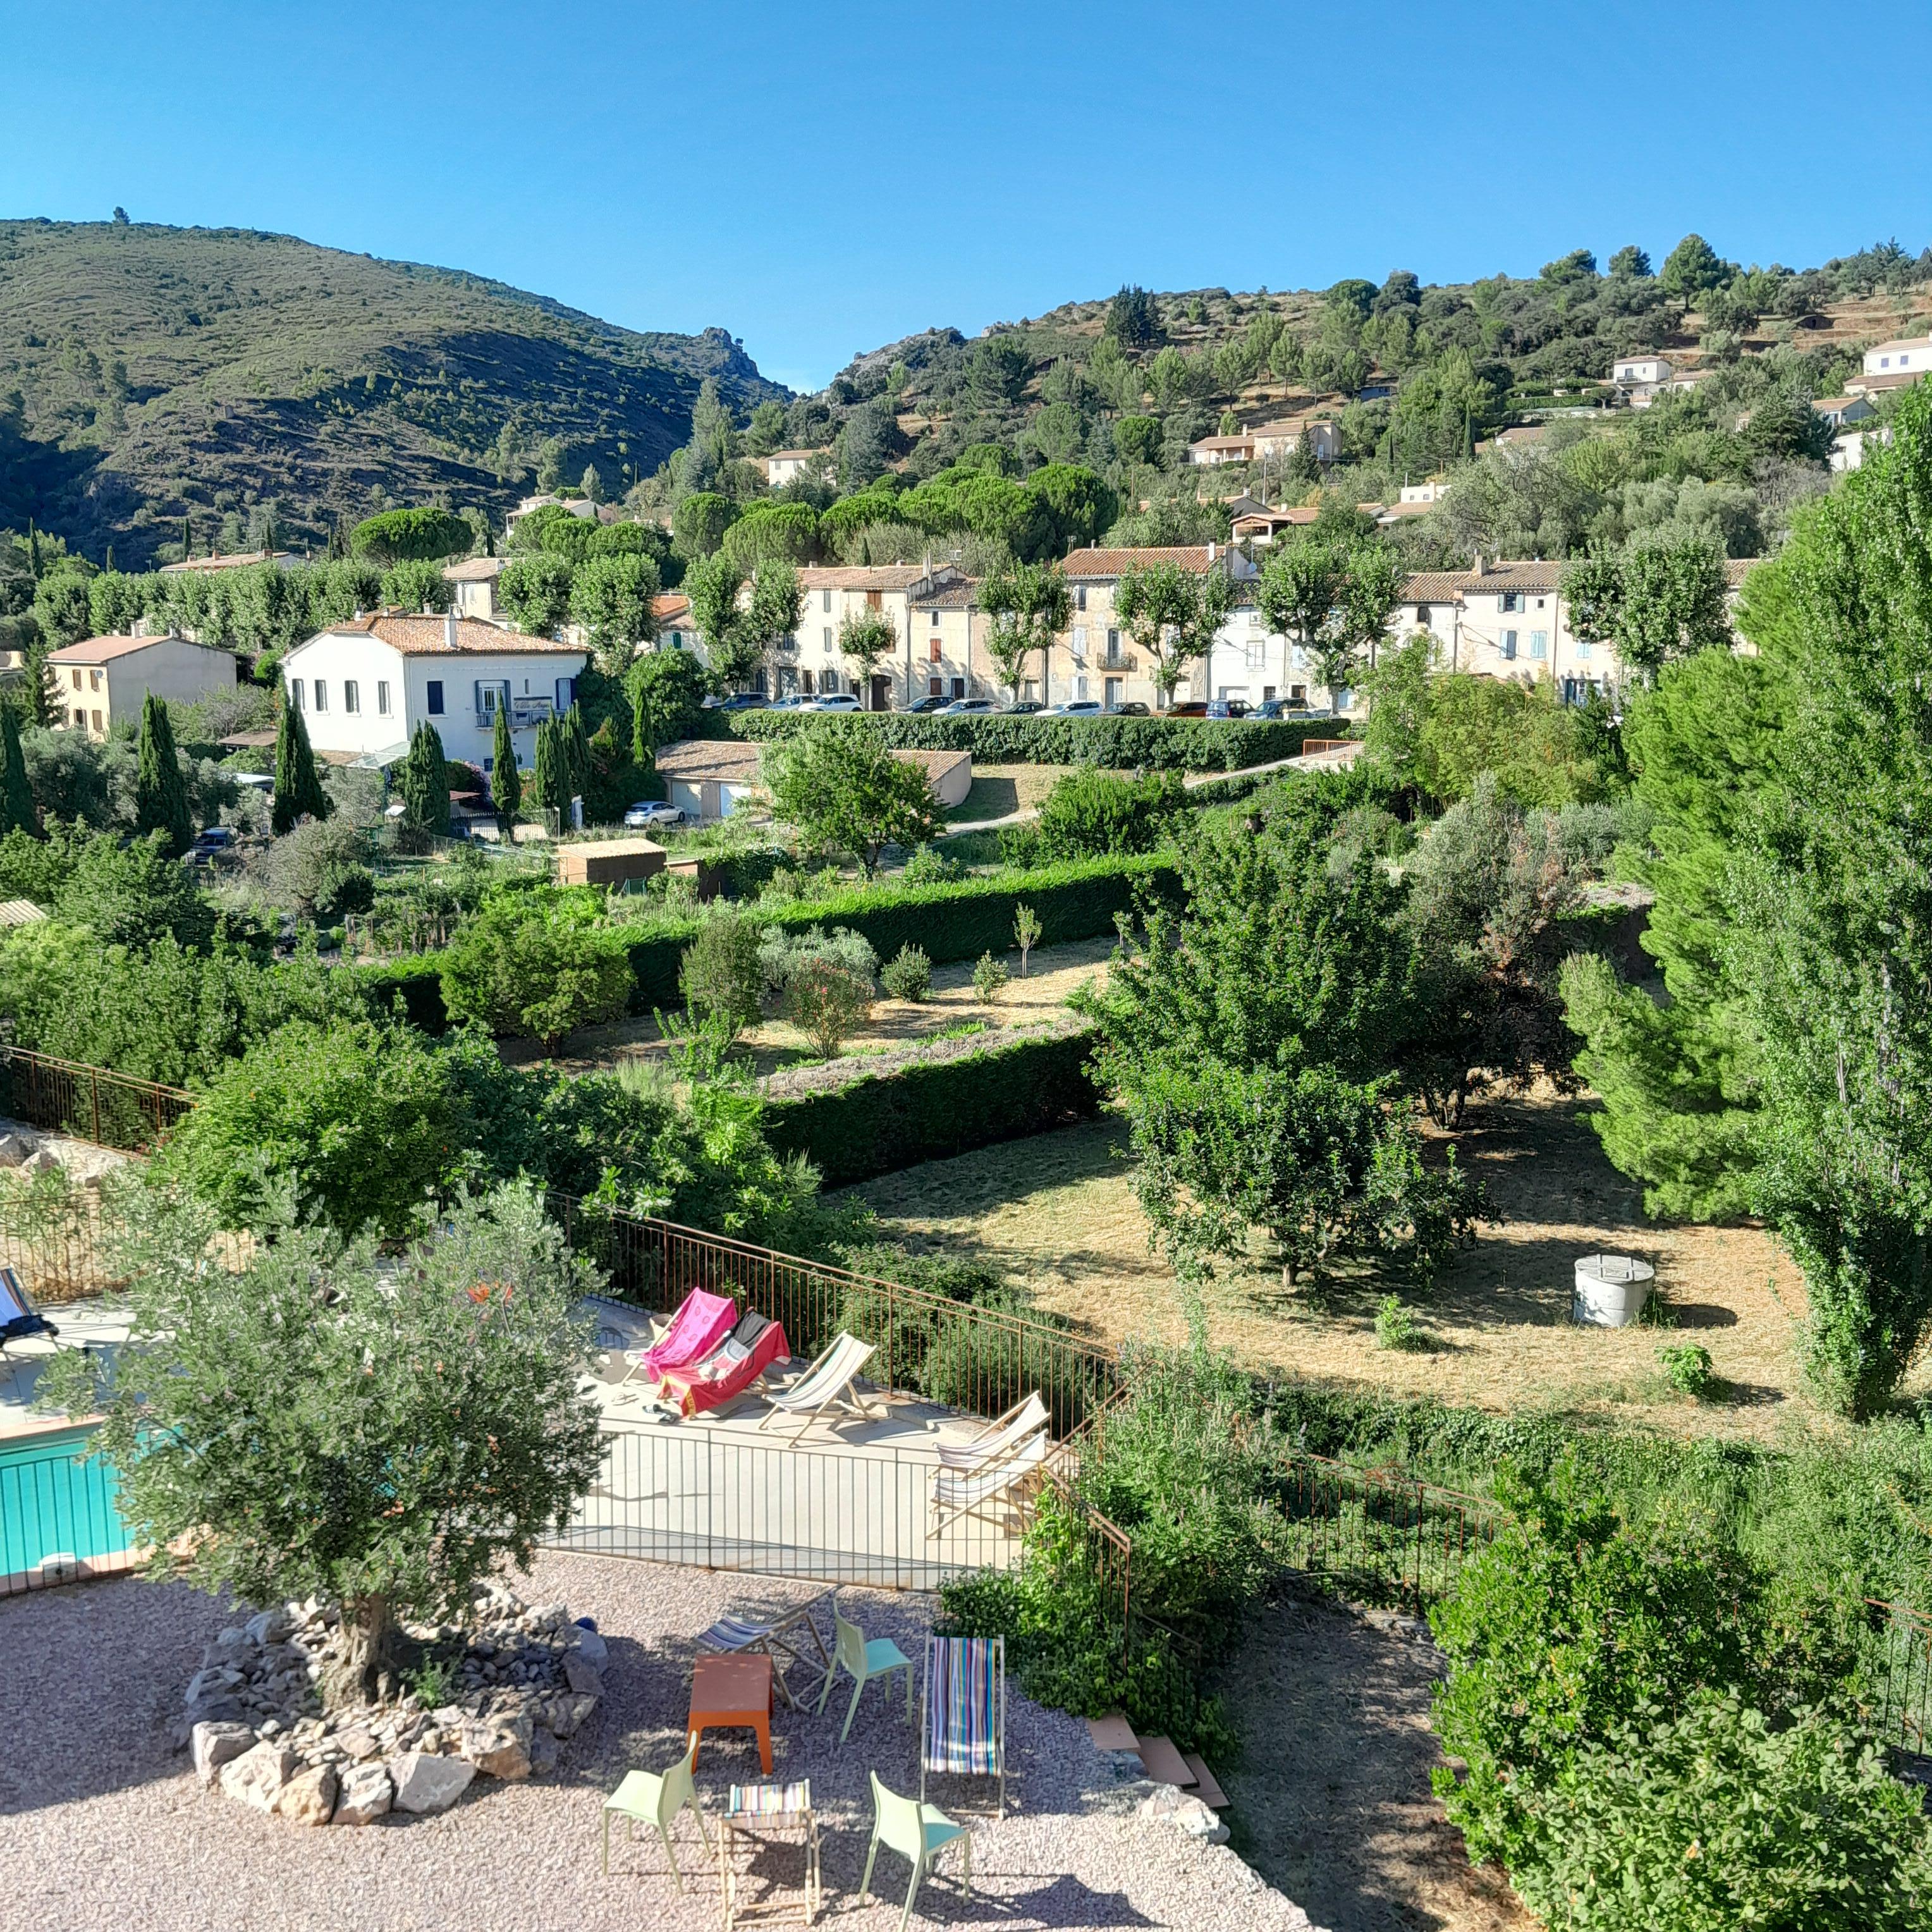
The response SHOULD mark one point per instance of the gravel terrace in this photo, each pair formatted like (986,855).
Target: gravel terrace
(102,1823)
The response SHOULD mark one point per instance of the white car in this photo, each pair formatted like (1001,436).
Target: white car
(840,700)
(1085,707)
(967,707)
(652,812)
(796,701)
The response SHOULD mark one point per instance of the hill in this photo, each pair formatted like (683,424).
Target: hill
(1415,377)
(148,373)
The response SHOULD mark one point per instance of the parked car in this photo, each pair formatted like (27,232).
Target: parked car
(1196,708)
(648,812)
(217,842)
(1079,707)
(927,706)
(1228,707)
(794,700)
(1025,708)
(967,707)
(839,700)
(1136,709)
(743,701)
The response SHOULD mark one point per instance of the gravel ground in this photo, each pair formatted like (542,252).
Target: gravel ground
(101,1823)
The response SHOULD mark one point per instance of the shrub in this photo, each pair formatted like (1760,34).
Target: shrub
(133,894)
(1706,1818)
(1687,1367)
(930,1111)
(989,977)
(358,1123)
(929,866)
(1091,814)
(721,976)
(535,965)
(1157,744)
(1395,1325)
(908,974)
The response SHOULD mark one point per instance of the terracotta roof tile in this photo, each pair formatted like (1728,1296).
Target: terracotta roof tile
(104,650)
(870,576)
(1112,562)
(474,570)
(430,637)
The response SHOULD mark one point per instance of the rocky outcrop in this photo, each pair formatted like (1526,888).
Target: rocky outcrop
(520,1680)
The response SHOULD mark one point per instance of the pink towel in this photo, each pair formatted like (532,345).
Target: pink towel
(700,1324)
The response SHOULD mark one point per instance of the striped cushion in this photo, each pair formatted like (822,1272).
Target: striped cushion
(771,1801)
(962,1710)
(733,1634)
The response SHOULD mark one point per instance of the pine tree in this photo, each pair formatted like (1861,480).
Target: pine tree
(506,782)
(546,774)
(16,796)
(298,791)
(161,792)
(425,782)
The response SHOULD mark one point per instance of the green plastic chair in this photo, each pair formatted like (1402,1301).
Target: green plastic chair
(862,1661)
(916,1831)
(656,1798)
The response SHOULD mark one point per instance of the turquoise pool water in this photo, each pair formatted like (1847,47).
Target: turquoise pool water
(53,1501)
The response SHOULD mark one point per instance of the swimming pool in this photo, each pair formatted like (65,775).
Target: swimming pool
(55,1502)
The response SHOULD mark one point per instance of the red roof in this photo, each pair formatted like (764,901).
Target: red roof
(104,650)
(1114,562)
(430,637)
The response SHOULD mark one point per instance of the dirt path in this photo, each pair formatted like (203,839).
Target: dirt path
(1332,1802)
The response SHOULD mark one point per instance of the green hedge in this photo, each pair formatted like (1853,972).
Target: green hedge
(959,920)
(882,1123)
(1159,744)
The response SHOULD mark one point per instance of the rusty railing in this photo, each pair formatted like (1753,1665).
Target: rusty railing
(91,1103)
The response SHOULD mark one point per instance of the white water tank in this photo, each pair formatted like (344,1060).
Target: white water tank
(1611,1290)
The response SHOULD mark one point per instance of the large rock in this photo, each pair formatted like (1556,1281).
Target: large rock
(564,1713)
(223,1708)
(543,1752)
(42,1162)
(591,1648)
(13,1150)
(581,1677)
(269,1626)
(210,1681)
(309,1797)
(357,1743)
(365,1794)
(426,1783)
(498,1746)
(215,1744)
(257,1776)
(1187,1815)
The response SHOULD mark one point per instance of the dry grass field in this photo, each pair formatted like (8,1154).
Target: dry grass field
(1059,1212)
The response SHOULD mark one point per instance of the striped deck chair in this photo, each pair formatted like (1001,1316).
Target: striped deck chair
(997,1496)
(828,1387)
(999,1440)
(962,1719)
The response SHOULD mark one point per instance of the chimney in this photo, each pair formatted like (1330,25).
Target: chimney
(1478,568)
(1211,552)
(449,630)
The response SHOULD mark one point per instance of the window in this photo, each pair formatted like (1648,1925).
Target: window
(933,650)
(828,636)
(935,687)
(382,697)
(1511,600)
(958,687)
(1080,689)
(1582,647)
(1256,653)
(351,695)
(1422,615)
(935,620)
(825,600)
(94,680)
(80,721)
(804,683)
(97,721)
(433,697)
(321,694)
(1079,639)
(828,683)
(1080,597)
(1113,647)
(1539,644)
(1508,645)
(295,694)
(76,680)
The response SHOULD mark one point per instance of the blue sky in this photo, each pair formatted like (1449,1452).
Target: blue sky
(822,178)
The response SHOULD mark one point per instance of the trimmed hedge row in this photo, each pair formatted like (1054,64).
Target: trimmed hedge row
(1159,744)
(959,920)
(884,1122)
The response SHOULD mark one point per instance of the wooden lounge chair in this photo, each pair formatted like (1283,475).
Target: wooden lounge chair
(993,1496)
(782,1637)
(999,1440)
(962,1719)
(701,1323)
(828,1384)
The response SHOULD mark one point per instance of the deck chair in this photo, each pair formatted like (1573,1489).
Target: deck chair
(998,1440)
(918,1832)
(828,1384)
(962,1714)
(702,1321)
(993,1495)
(781,1638)
(19,1317)
(747,1352)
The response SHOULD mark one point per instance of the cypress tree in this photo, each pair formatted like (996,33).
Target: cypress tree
(547,777)
(161,792)
(576,744)
(16,796)
(426,781)
(297,790)
(33,550)
(506,782)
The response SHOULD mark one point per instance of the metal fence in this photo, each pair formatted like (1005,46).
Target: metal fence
(695,1493)
(1895,1692)
(92,1103)
(981,1360)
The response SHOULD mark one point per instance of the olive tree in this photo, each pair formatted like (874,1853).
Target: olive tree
(306,1422)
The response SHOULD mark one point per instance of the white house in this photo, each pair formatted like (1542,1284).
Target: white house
(813,663)
(1640,380)
(782,466)
(1282,438)
(215,566)
(472,583)
(364,686)
(1891,365)
(1100,663)
(101,681)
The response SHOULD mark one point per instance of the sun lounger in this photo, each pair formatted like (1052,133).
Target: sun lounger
(999,1439)
(962,1726)
(993,1496)
(827,1385)
(701,1323)
(750,1349)
(19,1317)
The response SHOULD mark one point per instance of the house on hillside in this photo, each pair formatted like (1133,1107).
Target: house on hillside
(671,612)
(1893,365)
(363,686)
(1262,526)
(101,681)
(578,506)
(1282,438)
(241,559)
(784,466)
(1639,380)
(473,583)
(1211,450)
